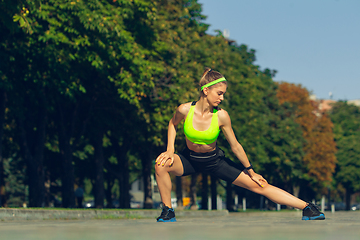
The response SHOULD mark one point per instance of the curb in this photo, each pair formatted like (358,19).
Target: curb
(48,214)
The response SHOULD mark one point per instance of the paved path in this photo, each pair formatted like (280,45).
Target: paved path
(260,225)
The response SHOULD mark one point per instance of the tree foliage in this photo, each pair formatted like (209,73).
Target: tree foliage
(319,147)
(89,88)
(346,119)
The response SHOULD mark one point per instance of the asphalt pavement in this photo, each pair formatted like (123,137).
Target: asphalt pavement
(243,225)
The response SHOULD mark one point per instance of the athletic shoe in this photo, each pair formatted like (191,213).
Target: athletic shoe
(167,214)
(311,212)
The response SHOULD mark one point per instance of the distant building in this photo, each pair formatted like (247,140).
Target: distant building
(356,102)
(325,104)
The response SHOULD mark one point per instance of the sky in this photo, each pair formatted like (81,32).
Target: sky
(315,43)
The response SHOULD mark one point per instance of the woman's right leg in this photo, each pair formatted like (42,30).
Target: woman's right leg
(163,178)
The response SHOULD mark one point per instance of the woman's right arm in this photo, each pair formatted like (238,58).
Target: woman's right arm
(179,115)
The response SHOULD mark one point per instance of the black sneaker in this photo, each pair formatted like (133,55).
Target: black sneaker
(167,214)
(311,212)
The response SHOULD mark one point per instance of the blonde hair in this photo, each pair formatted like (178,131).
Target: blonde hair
(208,76)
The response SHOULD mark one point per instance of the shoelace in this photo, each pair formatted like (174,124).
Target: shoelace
(165,210)
(313,208)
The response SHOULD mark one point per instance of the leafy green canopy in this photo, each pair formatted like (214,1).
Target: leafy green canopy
(346,119)
(124,66)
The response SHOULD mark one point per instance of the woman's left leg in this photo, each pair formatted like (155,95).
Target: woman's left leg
(273,193)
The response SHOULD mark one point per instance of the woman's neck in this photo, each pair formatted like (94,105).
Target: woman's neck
(203,106)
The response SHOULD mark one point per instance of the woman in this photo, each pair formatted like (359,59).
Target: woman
(203,121)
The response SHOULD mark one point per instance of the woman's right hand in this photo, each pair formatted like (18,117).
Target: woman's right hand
(164,157)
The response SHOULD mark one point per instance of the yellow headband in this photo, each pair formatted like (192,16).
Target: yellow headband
(213,83)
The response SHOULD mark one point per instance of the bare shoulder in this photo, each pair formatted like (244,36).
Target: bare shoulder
(181,113)
(184,108)
(223,116)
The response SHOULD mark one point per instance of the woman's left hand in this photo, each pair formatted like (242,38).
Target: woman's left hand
(257,178)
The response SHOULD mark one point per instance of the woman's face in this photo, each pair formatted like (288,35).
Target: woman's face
(215,94)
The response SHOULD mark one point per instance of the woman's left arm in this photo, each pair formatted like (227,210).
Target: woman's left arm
(237,149)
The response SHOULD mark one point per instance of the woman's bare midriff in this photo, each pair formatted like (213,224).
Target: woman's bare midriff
(201,148)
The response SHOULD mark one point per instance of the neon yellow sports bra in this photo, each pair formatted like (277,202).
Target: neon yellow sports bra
(201,137)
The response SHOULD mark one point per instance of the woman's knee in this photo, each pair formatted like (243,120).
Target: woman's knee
(159,168)
(246,182)
(264,185)
(260,189)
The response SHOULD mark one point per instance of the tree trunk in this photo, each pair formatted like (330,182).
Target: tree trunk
(122,171)
(47,189)
(296,190)
(348,198)
(179,195)
(124,183)
(66,132)
(108,194)
(99,193)
(213,193)
(67,139)
(2,120)
(204,192)
(35,169)
(229,197)
(67,177)
(146,170)
(193,190)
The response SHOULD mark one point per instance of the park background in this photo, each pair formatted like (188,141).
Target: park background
(88,87)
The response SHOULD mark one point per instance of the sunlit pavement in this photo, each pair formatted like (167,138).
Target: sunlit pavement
(258,225)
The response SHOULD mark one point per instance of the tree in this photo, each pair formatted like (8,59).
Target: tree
(98,80)
(346,119)
(177,29)
(319,147)
(89,43)
(284,146)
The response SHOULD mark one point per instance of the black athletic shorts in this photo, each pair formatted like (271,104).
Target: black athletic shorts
(214,163)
